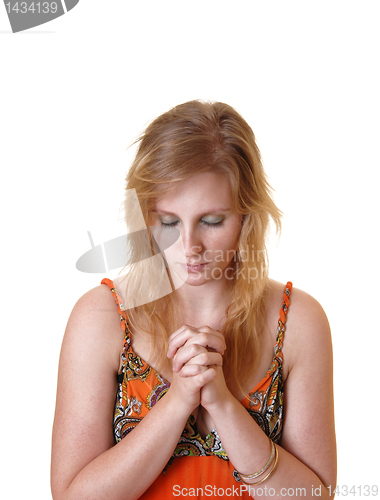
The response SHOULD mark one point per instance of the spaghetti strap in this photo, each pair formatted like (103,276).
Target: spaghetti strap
(140,387)
(120,306)
(283,312)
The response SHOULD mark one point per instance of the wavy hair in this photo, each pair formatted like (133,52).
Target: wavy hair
(192,138)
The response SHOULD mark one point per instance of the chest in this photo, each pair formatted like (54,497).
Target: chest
(141,385)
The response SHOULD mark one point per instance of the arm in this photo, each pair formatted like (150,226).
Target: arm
(85,462)
(307,454)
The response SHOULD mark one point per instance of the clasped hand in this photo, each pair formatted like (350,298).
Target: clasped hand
(197,366)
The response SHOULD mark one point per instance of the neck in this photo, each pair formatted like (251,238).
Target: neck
(204,304)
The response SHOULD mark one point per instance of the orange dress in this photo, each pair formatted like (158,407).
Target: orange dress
(198,467)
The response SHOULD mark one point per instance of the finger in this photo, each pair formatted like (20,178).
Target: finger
(207,329)
(196,355)
(210,338)
(174,334)
(192,370)
(179,338)
(184,354)
(192,329)
(205,377)
(209,341)
(201,379)
(206,359)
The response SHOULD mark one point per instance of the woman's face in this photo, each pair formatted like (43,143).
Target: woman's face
(202,210)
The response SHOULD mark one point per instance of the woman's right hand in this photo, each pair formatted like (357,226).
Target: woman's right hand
(83,442)
(192,363)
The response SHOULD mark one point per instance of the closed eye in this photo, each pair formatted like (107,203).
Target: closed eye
(213,224)
(169,224)
(204,222)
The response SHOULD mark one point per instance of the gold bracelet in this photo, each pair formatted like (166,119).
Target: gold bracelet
(266,477)
(256,474)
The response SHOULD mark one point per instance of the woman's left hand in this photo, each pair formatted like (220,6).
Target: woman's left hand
(215,393)
(211,340)
(212,346)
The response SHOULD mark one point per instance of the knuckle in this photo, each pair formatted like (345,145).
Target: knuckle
(207,375)
(194,349)
(199,349)
(203,358)
(202,337)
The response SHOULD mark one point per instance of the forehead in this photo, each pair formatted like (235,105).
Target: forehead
(208,191)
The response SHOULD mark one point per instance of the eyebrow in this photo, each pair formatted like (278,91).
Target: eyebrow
(209,212)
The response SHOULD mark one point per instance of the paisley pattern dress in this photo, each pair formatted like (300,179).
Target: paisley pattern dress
(196,462)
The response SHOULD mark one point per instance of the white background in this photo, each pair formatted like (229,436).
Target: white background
(77,91)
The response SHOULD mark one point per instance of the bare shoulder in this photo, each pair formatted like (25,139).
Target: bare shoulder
(98,299)
(95,323)
(308,432)
(307,326)
(87,385)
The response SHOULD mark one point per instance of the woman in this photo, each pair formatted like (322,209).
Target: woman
(204,405)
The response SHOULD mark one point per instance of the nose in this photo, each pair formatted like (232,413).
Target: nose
(192,243)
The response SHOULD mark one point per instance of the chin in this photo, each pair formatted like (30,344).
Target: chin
(196,281)
(191,279)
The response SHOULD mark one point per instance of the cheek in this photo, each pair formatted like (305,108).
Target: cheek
(224,246)
(232,239)
(226,238)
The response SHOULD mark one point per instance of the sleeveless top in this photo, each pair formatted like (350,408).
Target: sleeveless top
(196,463)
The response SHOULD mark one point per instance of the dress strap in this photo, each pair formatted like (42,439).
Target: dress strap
(120,306)
(283,312)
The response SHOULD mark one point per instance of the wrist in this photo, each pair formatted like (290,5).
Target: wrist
(222,406)
(177,405)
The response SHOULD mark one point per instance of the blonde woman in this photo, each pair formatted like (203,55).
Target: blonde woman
(202,392)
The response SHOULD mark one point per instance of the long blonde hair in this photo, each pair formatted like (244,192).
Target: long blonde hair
(191,138)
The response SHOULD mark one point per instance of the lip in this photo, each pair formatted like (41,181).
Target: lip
(193,268)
